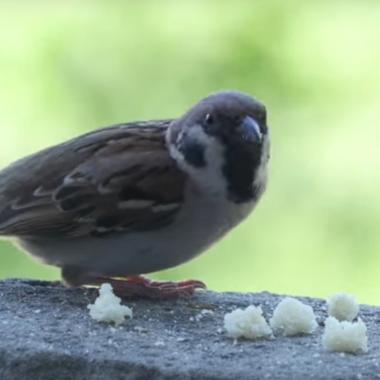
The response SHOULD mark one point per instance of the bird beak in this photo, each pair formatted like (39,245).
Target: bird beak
(250,130)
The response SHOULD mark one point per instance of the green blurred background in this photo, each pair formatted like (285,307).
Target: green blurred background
(67,68)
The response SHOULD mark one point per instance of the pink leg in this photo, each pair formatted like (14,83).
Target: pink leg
(134,286)
(139,286)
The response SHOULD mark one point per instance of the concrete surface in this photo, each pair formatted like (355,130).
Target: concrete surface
(46,333)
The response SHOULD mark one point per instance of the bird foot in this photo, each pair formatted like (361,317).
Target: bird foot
(139,286)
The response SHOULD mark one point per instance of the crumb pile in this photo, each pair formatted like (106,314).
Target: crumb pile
(108,308)
(343,307)
(341,334)
(345,336)
(248,323)
(292,317)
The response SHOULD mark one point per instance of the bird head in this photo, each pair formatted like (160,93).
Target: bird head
(222,143)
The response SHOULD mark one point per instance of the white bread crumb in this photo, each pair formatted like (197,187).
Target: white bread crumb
(292,317)
(345,336)
(108,308)
(202,314)
(248,323)
(343,307)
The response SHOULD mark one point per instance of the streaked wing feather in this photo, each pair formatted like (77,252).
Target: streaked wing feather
(112,180)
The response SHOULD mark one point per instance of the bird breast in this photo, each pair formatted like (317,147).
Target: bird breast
(201,222)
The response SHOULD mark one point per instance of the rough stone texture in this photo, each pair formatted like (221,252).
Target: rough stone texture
(46,333)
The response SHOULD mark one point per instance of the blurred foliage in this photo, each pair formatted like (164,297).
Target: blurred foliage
(69,67)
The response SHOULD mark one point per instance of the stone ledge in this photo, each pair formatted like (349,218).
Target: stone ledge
(46,333)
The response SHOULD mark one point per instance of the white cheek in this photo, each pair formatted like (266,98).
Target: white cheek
(210,178)
(261,172)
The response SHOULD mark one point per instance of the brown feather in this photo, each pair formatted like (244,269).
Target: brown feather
(112,180)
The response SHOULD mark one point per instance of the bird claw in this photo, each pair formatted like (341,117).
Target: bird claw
(139,286)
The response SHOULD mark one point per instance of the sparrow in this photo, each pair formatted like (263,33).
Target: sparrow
(139,197)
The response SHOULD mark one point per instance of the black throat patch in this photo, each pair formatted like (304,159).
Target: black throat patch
(241,164)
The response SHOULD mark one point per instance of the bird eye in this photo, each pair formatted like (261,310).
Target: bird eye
(209,119)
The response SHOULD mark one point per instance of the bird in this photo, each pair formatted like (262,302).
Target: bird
(130,199)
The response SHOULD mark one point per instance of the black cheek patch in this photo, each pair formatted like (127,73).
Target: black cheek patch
(193,152)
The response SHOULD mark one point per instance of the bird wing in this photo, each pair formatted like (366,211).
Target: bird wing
(113,180)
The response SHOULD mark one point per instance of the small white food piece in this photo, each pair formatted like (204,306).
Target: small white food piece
(345,336)
(343,307)
(202,314)
(108,308)
(248,323)
(292,317)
